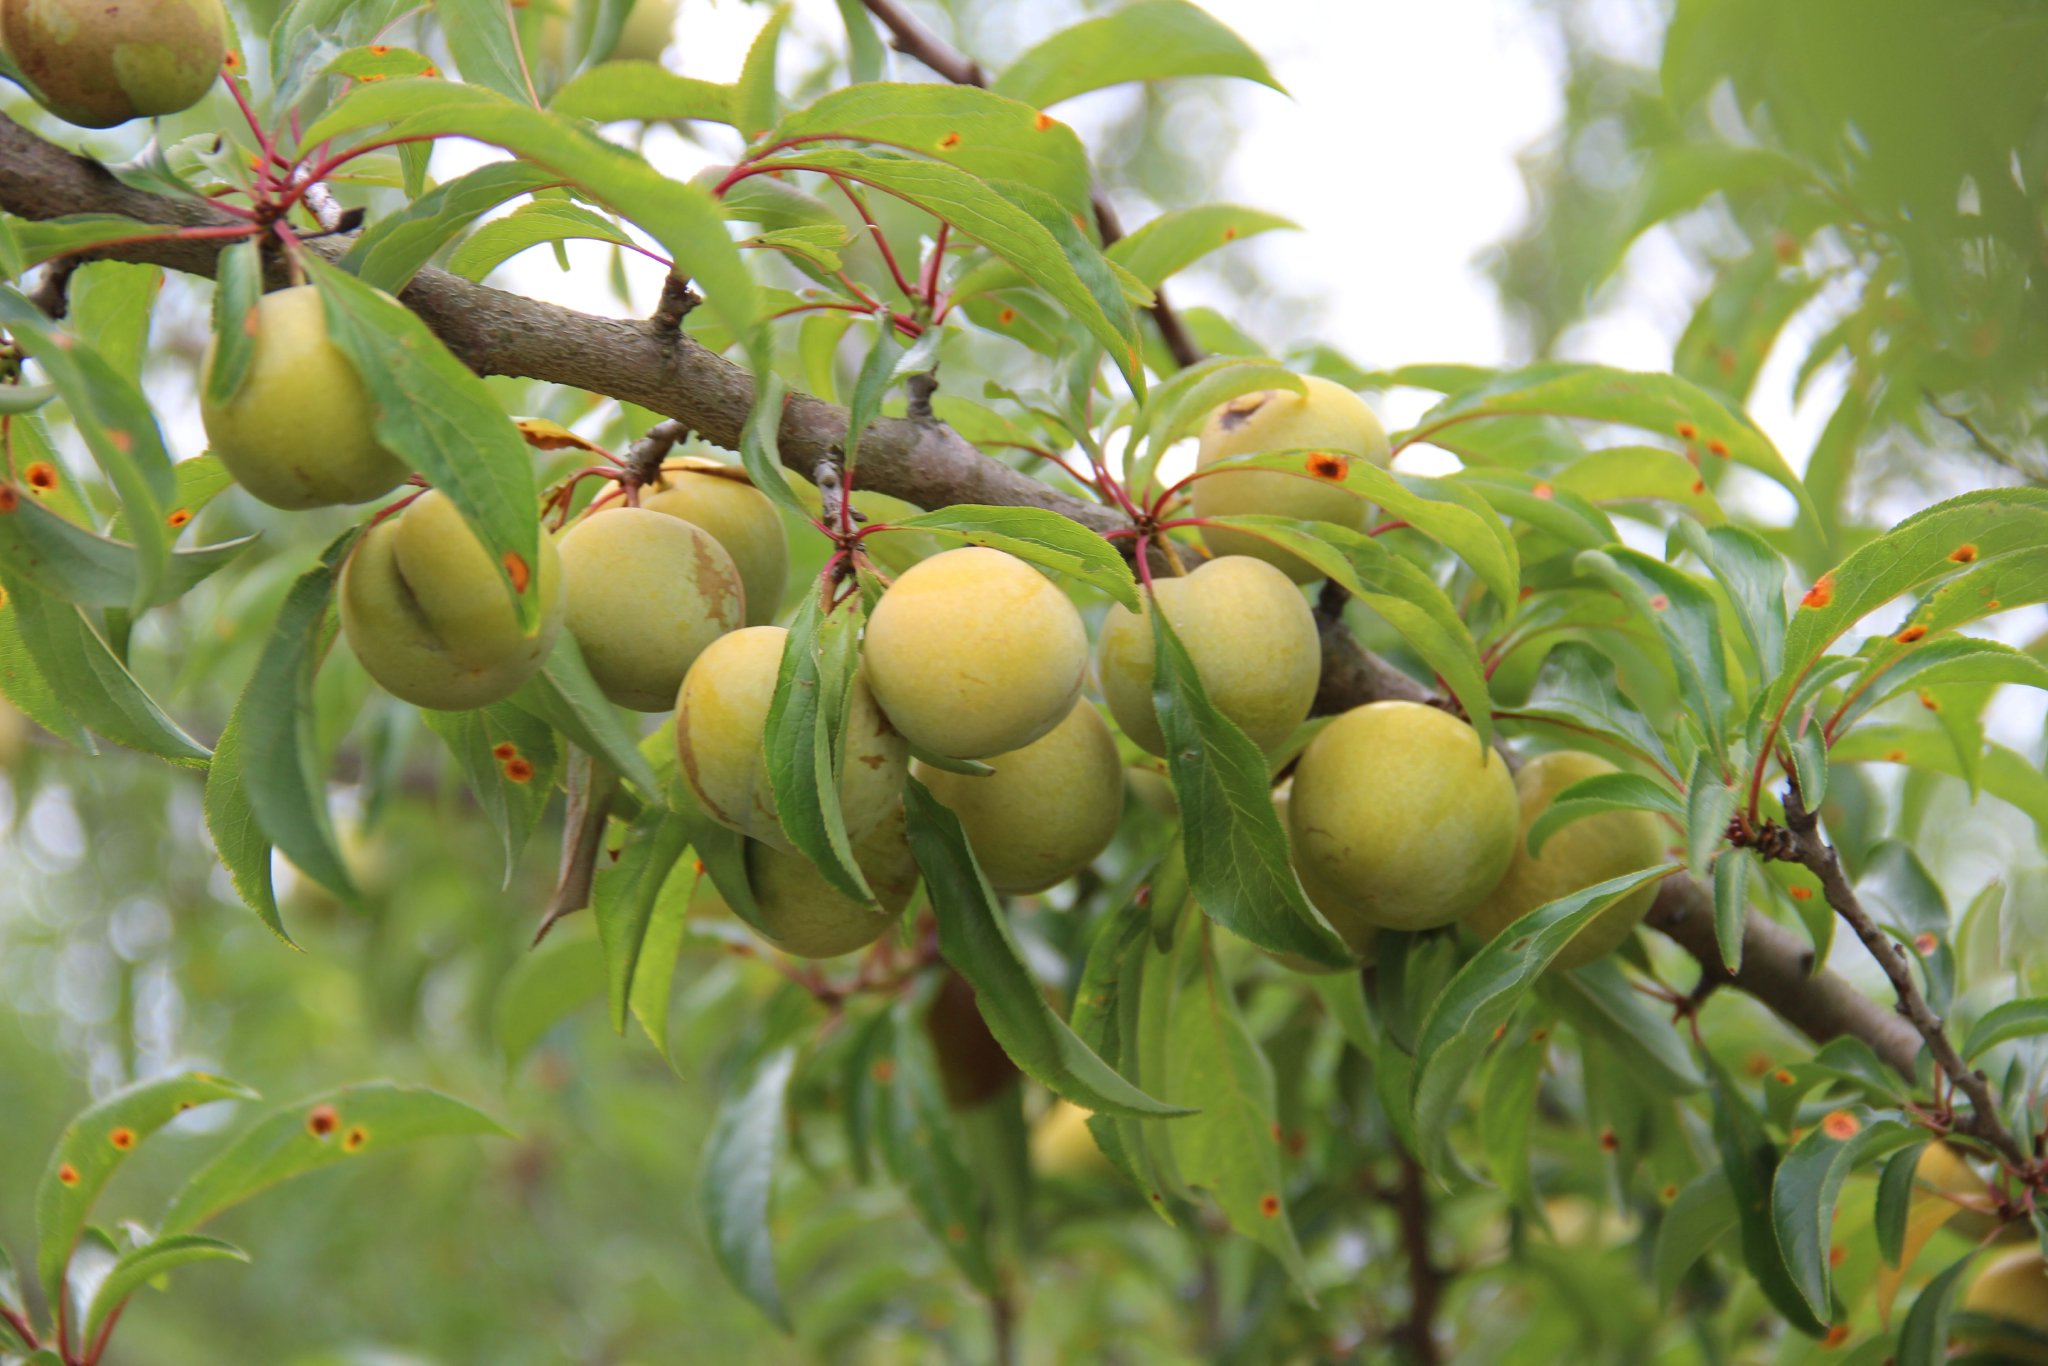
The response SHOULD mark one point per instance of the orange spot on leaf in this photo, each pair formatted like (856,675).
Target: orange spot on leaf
(1802,893)
(1821,594)
(379,49)
(9,499)
(1841,1126)
(518,770)
(949,142)
(354,1139)
(67,1175)
(1929,700)
(178,517)
(1659,602)
(232,61)
(517,571)
(504,750)
(122,1138)
(1837,1255)
(1269,1205)
(1895,756)
(1964,553)
(1007,316)
(1924,943)
(1544,490)
(1687,431)
(884,1071)
(1608,1141)
(1325,465)
(1042,122)
(322,1120)
(1230,233)
(1836,1336)
(1910,634)
(41,476)
(1718,447)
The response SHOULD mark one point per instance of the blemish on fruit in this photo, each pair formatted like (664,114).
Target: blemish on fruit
(517,571)
(1964,553)
(41,476)
(178,517)
(354,1139)
(1910,634)
(67,1175)
(122,1138)
(1821,594)
(322,1120)
(1269,1205)
(1326,465)
(1841,1126)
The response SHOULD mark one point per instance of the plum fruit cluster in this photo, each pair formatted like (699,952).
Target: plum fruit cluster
(975,673)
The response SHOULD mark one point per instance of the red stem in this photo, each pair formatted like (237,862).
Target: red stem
(930,283)
(881,238)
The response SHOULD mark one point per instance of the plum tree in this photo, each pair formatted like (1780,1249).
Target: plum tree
(1047,810)
(300,430)
(97,64)
(2014,1290)
(1402,815)
(646,594)
(739,517)
(1585,852)
(427,614)
(1250,634)
(722,714)
(1326,417)
(973,652)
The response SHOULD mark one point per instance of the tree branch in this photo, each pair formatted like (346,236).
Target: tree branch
(1417,1332)
(1817,856)
(913,39)
(922,462)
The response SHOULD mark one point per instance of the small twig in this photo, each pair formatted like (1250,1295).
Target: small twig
(591,789)
(1002,1323)
(53,291)
(1417,1332)
(21,1326)
(831,491)
(1802,844)
(677,299)
(643,460)
(325,208)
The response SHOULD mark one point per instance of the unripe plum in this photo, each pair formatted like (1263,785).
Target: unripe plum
(973,1068)
(97,64)
(300,431)
(647,593)
(1047,810)
(973,652)
(1401,817)
(809,917)
(427,614)
(722,715)
(1362,939)
(742,519)
(2014,1289)
(1250,634)
(1062,1145)
(1585,852)
(1328,417)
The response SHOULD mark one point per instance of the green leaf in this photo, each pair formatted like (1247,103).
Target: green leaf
(319,1131)
(1601,793)
(737,1179)
(922,1147)
(992,217)
(1579,688)
(1177,239)
(437,414)
(238,284)
(1402,593)
(623,898)
(887,359)
(1237,857)
(1724,346)
(485,42)
(81,675)
(543,988)
(1750,1161)
(1507,1110)
(2004,1022)
(380,62)
(41,550)
(565,696)
(754,98)
(40,239)
(683,218)
(237,838)
(1923,1340)
(1687,619)
(27,687)
(1754,577)
(281,769)
(1150,40)
(1809,1182)
(1895,1192)
(514,787)
(1699,1217)
(616,92)
(1177,406)
(1227,1148)
(96,1143)
(981,132)
(1634,474)
(1938,663)
(139,1266)
(1664,404)
(10,1287)
(1484,995)
(392,250)
(1599,1002)
(2004,774)
(117,425)
(1732,870)
(802,739)
(1035,534)
(1710,801)
(975,938)
(544,220)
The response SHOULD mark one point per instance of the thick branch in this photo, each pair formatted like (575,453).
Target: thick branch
(1417,1332)
(1818,857)
(923,462)
(913,39)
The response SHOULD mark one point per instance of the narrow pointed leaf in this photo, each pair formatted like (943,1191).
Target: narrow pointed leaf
(738,1178)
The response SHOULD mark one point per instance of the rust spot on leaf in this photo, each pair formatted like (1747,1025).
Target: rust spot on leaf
(122,1138)
(1269,1205)
(1837,1255)
(1608,1142)
(1821,594)
(1042,122)
(1718,447)
(518,770)
(322,1120)
(884,1071)
(379,49)
(1757,1063)
(1686,431)
(1230,233)
(516,570)
(504,750)
(1964,553)
(354,1139)
(1802,893)
(9,499)
(1924,943)
(67,1175)
(1895,756)
(123,440)
(1007,316)
(949,142)
(1543,490)
(231,62)
(41,476)
(1330,466)
(1782,1077)
(1910,634)
(1659,602)
(1699,486)
(1841,1126)
(178,517)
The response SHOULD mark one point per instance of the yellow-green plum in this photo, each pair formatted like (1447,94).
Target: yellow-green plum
(807,916)
(427,614)
(96,64)
(1328,418)
(646,594)
(1401,817)
(1362,939)
(973,652)
(1250,634)
(2014,1290)
(647,32)
(1064,1148)
(1581,854)
(300,430)
(742,519)
(1047,810)
(722,715)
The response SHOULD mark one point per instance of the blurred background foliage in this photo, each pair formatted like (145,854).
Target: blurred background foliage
(1834,175)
